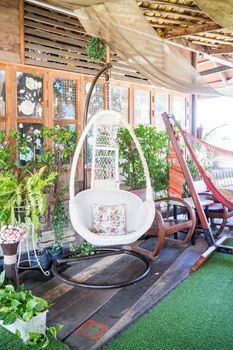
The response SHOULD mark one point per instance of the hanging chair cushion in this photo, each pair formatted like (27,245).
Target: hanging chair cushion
(109,220)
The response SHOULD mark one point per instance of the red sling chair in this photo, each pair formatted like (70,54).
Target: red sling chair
(221,193)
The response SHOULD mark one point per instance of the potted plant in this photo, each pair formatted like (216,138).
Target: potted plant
(24,196)
(155,146)
(59,219)
(40,260)
(24,314)
(10,236)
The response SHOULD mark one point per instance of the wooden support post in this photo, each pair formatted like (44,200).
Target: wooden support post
(194,99)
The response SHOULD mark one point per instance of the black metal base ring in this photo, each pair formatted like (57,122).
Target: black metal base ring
(103,252)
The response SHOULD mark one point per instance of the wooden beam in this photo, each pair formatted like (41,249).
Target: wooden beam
(221,50)
(154,20)
(171,13)
(175,33)
(183,42)
(215,70)
(178,6)
(204,39)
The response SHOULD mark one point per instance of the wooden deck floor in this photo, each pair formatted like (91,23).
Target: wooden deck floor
(92,317)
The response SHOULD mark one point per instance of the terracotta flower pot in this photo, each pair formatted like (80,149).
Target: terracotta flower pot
(10,262)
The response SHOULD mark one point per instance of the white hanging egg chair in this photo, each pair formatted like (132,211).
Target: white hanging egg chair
(105,191)
(105,184)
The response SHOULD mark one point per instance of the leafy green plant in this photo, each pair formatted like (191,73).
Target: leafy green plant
(18,304)
(155,145)
(85,248)
(95,48)
(6,154)
(54,156)
(26,192)
(59,219)
(23,305)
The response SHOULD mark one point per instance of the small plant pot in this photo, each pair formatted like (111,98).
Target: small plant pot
(10,262)
(55,254)
(1,264)
(36,325)
(43,258)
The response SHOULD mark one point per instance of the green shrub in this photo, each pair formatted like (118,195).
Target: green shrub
(155,145)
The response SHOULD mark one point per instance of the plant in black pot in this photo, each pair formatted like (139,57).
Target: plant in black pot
(23,200)
(59,220)
(41,259)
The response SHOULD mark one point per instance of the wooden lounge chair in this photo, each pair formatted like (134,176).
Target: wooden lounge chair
(165,226)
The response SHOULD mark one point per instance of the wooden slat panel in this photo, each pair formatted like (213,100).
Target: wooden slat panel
(76,28)
(58,41)
(60,66)
(65,60)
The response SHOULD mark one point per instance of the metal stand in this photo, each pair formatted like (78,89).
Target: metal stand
(104,252)
(29,259)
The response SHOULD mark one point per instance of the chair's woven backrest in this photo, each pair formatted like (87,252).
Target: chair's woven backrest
(105,154)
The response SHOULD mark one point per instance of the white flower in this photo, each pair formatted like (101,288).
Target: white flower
(38,142)
(36,132)
(39,85)
(27,107)
(29,138)
(31,84)
(21,125)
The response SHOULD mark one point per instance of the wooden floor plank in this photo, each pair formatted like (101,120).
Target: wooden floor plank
(113,310)
(176,273)
(79,304)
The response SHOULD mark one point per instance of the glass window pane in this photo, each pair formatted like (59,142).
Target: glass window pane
(2,93)
(97,99)
(161,106)
(31,132)
(64,99)
(29,95)
(119,100)
(179,109)
(142,107)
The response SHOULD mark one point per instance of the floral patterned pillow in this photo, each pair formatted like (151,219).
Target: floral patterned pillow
(109,220)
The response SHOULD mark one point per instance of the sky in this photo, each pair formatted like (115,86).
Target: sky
(213,112)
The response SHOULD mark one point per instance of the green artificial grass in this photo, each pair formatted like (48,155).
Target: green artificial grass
(8,341)
(196,315)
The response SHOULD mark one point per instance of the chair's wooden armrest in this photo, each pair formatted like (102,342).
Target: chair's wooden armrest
(181,202)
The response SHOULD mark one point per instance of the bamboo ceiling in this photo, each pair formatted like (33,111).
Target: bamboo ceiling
(183,22)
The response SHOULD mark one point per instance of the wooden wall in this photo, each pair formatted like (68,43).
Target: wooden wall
(10,31)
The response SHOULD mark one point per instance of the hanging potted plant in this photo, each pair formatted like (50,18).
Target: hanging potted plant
(96,48)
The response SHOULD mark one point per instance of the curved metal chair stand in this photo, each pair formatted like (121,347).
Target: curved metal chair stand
(105,190)
(104,252)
